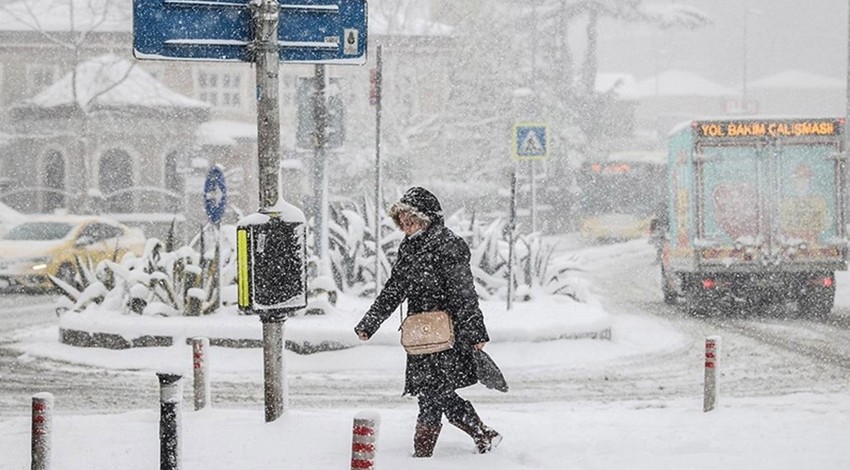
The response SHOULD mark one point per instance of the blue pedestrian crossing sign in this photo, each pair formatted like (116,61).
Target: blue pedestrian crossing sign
(530,141)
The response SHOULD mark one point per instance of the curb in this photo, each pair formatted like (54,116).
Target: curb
(84,339)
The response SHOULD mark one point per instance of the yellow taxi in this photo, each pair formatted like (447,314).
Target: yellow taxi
(50,246)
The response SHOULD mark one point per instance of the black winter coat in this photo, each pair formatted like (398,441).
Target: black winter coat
(432,272)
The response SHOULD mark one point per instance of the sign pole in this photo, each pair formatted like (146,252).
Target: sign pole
(265,16)
(529,143)
(320,190)
(511,229)
(378,90)
(533,196)
(271,248)
(216,280)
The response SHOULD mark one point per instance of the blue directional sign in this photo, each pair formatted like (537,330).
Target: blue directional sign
(530,142)
(309,31)
(215,194)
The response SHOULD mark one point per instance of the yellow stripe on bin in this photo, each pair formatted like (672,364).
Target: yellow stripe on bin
(242,267)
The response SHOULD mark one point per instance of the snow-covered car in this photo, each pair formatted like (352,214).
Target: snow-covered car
(46,246)
(8,218)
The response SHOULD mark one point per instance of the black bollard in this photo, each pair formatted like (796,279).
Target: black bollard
(170,404)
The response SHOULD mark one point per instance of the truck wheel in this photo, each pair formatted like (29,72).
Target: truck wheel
(670,298)
(816,306)
(695,305)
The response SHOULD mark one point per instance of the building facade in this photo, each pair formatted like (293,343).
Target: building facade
(62,151)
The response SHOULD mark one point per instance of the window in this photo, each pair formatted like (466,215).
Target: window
(39,231)
(41,76)
(222,89)
(98,232)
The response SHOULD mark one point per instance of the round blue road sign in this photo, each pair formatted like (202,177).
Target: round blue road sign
(215,194)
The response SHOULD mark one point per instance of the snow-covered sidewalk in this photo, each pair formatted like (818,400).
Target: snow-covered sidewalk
(779,433)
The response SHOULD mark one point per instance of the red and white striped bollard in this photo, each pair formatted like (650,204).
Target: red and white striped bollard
(42,430)
(364,435)
(712,344)
(200,359)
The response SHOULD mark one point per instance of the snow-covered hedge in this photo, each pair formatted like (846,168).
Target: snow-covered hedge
(181,282)
(159,282)
(352,253)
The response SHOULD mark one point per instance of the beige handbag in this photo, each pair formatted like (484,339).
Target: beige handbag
(427,332)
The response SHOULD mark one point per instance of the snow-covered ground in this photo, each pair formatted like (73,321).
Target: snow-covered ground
(791,432)
(776,431)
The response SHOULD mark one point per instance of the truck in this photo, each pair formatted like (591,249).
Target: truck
(754,214)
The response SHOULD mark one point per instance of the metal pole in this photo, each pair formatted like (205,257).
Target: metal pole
(170,400)
(273,365)
(378,78)
(533,196)
(217,265)
(847,112)
(265,16)
(744,66)
(320,188)
(511,229)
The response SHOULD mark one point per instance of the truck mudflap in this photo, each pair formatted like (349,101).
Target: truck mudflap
(741,293)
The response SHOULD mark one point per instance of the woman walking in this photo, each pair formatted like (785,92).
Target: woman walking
(432,273)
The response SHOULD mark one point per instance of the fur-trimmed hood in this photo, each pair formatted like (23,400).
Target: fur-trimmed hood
(420,202)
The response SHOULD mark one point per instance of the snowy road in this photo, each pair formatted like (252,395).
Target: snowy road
(767,355)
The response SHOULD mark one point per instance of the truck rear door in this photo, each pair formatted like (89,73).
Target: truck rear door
(731,203)
(805,223)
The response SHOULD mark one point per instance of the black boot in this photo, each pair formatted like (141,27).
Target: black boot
(486,439)
(425,439)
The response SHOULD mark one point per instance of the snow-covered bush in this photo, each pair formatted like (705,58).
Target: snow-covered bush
(352,254)
(170,282)
(159,282)
(533,270)
(351,240)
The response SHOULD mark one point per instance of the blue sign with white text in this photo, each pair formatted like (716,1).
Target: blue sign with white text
(309,31)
